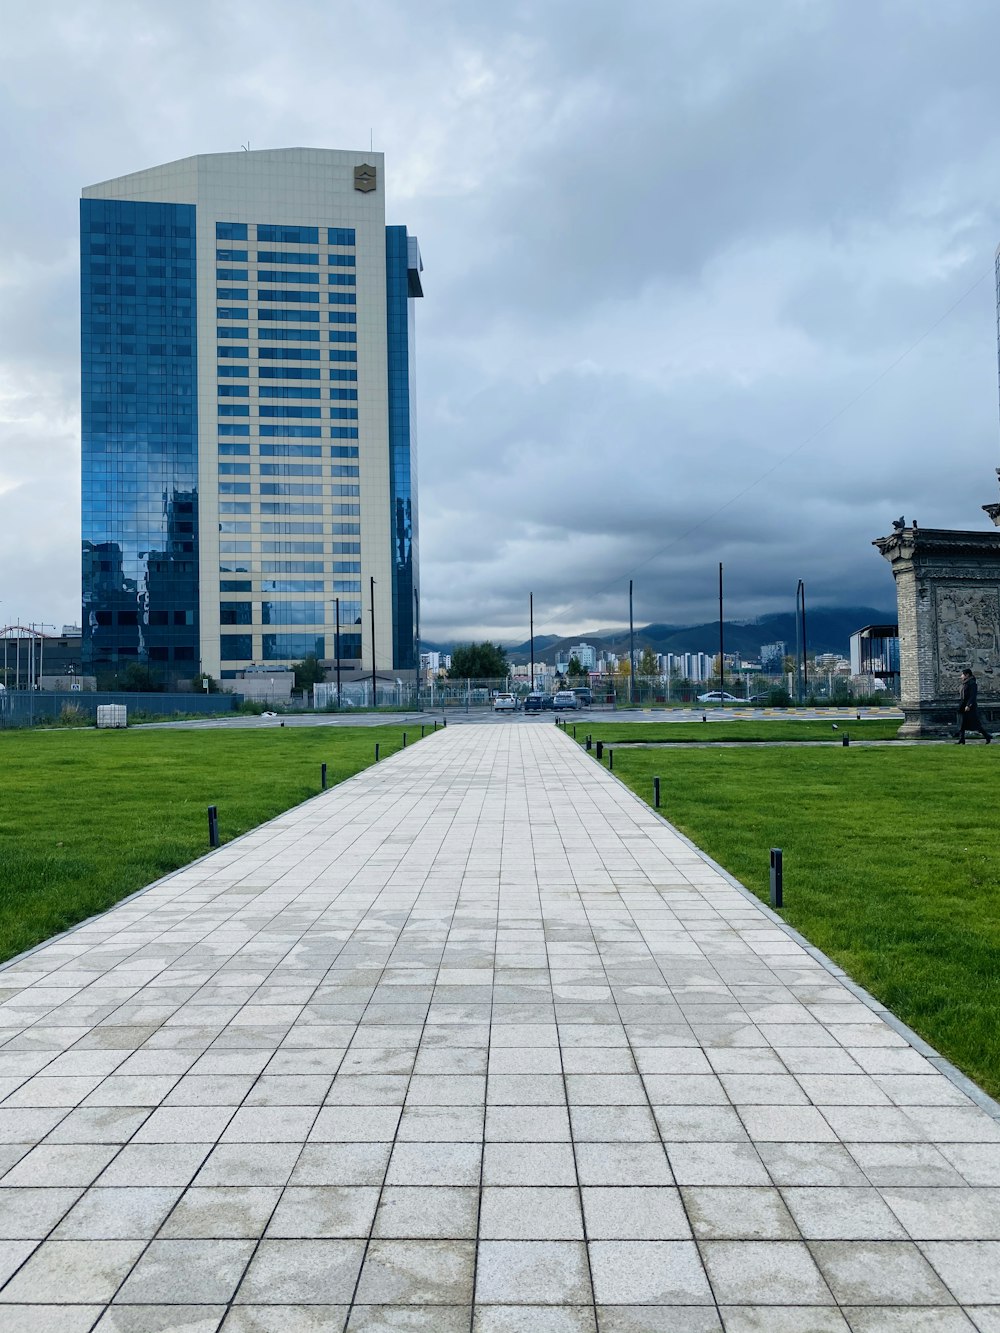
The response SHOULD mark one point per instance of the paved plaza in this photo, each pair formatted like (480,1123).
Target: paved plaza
(474,1041)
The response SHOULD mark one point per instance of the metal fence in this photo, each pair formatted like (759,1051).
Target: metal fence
(26,708)
(358,694)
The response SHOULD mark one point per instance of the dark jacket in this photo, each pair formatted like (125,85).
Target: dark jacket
(970,695)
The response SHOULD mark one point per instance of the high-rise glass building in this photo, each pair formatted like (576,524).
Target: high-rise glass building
(249,443)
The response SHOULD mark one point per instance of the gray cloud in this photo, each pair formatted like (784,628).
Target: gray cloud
(670,251)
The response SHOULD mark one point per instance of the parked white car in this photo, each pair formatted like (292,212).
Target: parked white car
(719,696)
(504,703)
(565,699)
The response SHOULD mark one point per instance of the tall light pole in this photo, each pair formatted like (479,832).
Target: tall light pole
(801,668)
(336,644)
(722,648)
(374,681)
(631,648)
(531,635)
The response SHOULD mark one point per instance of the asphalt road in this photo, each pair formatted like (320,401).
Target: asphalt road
(459,717)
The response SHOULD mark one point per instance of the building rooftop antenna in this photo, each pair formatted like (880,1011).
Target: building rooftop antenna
(245,146)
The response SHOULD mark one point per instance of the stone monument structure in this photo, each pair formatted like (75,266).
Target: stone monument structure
(948,599)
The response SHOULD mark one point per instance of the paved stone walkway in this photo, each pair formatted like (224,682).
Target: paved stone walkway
(475,1025)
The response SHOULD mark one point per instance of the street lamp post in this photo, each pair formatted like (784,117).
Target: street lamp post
(801,667)
(336,646)
(374,679)
(722,648)
(631,648)
(531,635)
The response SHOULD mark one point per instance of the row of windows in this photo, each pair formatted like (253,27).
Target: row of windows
(314,488)
(277,294)
(280,647)
(239,448)
(282,235)
(268,314)
(141,250)
(300,390)
(290,431)
(273,507)
(273,613)
(343,373)
(273,275)
(152,617)
(276,373)
(267,410)
(112,217)
(242,353)
(275,585)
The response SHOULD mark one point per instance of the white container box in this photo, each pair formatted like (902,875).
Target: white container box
(112,715)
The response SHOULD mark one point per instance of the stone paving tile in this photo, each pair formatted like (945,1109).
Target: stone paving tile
(474,1041)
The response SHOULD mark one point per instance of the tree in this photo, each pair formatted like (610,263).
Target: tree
(478,661)
(575,667)
(139,679)
(647,664)
(308,672)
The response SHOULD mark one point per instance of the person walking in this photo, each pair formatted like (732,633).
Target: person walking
(968,709)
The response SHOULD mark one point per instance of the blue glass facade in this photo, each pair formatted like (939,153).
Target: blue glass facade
(402,284)
(139,438)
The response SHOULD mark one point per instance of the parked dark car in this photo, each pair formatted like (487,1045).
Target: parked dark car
(534,703)
(585,696)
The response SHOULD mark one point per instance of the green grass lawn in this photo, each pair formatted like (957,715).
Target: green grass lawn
(891,866)
(777,730)
(87,817)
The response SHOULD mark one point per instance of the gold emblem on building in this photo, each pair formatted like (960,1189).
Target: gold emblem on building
(364,177)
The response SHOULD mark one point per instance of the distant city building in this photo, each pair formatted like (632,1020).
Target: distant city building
(772,656)
(687,666)
(585,654)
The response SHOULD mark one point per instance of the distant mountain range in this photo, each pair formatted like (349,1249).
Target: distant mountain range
(828,630)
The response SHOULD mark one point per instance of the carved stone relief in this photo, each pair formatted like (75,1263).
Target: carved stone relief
(968,635)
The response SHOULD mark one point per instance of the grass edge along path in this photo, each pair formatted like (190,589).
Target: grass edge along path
(757,731)
(89,817)
(892,867)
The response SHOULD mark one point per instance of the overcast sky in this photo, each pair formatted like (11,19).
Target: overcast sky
(705,280)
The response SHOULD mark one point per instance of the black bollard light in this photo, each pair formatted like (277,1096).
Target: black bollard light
(213,826)
(574,731)
(845,739)
(600,750)
(421,731)
(588,744)
(404,740)
(704,717)
(322,777)
(611,761)
(777,897)
(656,793)
(376,751)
